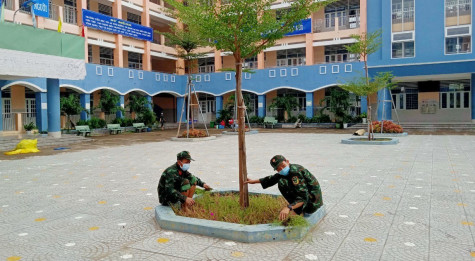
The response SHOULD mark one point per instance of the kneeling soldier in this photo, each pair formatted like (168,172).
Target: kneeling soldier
(177,184)
(298,186)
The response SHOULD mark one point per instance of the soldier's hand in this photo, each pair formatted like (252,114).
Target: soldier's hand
(284,213)
(206,187)
(189,202)
(251,181)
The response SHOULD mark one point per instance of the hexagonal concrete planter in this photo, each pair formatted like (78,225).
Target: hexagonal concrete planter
(404,134)
(364,141)
(167,219)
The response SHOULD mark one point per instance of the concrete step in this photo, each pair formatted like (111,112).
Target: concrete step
(455,126)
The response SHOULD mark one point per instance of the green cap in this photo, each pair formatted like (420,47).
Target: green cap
(183,155)
(276,160)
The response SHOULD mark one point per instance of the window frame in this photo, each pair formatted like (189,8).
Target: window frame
(402,21)
(458,25)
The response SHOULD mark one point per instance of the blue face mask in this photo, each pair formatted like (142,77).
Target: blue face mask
(185,167)
(285,171)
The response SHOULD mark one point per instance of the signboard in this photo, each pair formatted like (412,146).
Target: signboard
(117,26)
(41,8)
(302,27)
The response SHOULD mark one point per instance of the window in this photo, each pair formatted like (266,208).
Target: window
(347,12)
(406,96)
(291,57)
(402,28)
(89,53)
(135,61)
(403,49)
(459,44)
(105,9)
(250,63)
(206,65)
(455,94)
(106,56)
(134,18)
(458,26)
(337,54)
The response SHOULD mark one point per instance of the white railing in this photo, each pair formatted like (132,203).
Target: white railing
(135,65)
(69,14)
(27,118)
(53,12)
(106,61)
(9,122)
(9,4)
(349,22)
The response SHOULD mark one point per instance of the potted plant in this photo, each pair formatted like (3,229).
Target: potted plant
(29,127)
(363,116)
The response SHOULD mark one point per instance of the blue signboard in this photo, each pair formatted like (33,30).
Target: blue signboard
(302,27)
(116,26)
(41,8)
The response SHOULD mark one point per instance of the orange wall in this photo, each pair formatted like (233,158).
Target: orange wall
(228,62)
(167,66)
(317,97)
(18,98)
(271,59)
(165,102)
(318,54)
(269,97)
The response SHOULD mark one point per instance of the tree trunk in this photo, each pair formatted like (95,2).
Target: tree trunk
(286,116)
(243,189)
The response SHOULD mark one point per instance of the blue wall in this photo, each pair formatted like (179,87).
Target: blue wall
(123,81)
(429,33)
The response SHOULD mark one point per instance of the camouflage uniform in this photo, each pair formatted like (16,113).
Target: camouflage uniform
(298,186)
(174,181)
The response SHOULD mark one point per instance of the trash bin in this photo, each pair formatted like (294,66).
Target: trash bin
(211,124)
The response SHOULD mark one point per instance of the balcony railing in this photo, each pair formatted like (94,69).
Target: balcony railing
(9,4)
(69,14)
(9,122)
(135,65)
(330,24)
(156,38)
(53,12)
(106,61)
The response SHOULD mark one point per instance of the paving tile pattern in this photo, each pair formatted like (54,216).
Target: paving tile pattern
(411,201)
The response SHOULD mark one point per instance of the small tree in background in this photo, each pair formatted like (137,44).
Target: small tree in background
(338,103)
(109,102)
(365,45)
(70,105)
(287,103)
(138,104)
(245,28)
(186,43)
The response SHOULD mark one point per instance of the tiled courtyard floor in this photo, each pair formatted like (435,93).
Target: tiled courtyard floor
(412,201)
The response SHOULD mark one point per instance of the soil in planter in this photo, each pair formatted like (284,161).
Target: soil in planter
(375,139)
(263,209)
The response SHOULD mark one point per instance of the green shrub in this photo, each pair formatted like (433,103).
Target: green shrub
(323,118)
(292,119)
(82,122)
(256,119)
(96,123)
(147,117)
(30,126)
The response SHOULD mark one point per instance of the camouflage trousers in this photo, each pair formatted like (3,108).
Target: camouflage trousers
(289,193)
(185,186)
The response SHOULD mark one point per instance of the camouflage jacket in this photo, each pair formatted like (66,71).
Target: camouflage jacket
(170,183)
(298,186)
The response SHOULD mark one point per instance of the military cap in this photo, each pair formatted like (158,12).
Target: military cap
(276,160)
(183,155)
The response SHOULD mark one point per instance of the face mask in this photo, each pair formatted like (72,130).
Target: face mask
(185,166)
(284,171)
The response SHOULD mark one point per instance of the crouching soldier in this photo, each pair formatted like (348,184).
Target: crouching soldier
(177,184)
(297,185)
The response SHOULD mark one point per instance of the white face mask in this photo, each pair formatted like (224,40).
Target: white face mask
(185,166)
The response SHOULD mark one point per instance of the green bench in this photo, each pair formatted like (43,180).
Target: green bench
(270,121)
(114,128)
(83,130)
(139,127)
